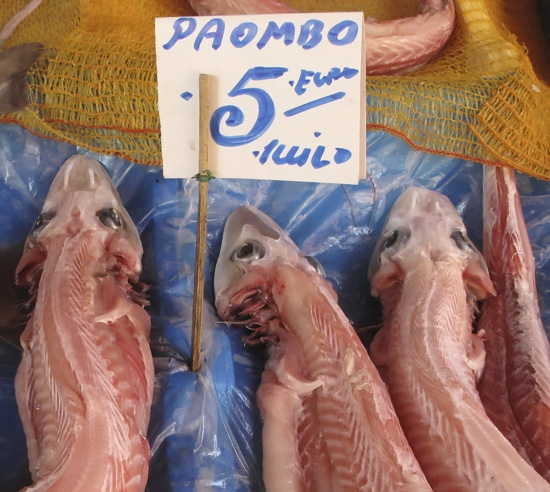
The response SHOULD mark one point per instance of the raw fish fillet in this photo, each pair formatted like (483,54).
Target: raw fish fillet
(390,46)
(515,387)
(84,386)
(328,422)
(428,275)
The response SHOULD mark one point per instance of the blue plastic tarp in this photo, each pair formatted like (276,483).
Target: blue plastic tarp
(205,431)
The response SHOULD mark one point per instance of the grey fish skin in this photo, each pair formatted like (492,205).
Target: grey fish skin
(14,64)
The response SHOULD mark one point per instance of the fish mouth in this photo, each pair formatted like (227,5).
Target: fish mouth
(252,308)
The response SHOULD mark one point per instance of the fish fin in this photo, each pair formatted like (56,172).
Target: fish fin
(301,385)
(476,356)
(292,375)
(29,268)
(378,349)
(14,64)
(22,384)
(388,274)
(115,303)
(478,281)
(279,409)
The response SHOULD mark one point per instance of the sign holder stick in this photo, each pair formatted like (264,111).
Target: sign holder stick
(203,177)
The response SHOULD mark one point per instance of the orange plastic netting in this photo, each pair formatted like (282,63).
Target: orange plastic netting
(486,97)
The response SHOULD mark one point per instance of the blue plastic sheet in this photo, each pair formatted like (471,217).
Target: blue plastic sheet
(205,430)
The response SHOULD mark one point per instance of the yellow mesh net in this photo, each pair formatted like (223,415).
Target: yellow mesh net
(486,97)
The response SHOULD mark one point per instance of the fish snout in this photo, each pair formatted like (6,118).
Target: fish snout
(75,224)
(79,174)
(436,252)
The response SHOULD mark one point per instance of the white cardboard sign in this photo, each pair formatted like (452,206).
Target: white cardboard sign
(286,96)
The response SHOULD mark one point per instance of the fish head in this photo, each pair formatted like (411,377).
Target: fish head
(252,242)
(424,226)
(82,199)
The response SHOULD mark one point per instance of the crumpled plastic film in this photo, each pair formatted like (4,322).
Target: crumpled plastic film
(205,429)
(485,97)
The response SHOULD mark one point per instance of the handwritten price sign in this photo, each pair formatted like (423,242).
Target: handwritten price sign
(286,96)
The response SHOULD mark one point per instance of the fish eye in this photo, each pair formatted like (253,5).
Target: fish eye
(314,262)
(42,221)
(461,241)
(109,217)
(248,251)
(395,239)
(391,239)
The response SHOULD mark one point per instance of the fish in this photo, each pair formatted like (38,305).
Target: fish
(14,64)
(515,385)
(403,45)
(391,47)
(428,275)
(247,7)
(85,382)
(328,422)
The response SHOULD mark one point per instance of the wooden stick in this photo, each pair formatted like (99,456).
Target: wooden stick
(200,249)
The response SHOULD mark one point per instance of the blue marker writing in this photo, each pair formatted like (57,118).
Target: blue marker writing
(234,116)
(214,29)
(243,34)
(314,104)
(319,80)
(294,156)
(349,28)
(310,34)
(286,31)
(179,32)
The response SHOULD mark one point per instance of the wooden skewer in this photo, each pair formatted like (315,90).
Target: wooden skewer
(200,250)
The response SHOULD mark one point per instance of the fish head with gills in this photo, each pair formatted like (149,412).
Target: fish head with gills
(253,247)
(82,202)
(424,226)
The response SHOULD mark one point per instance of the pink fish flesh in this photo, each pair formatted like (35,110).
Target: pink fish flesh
(390,46)
(84,385)
(515,387)
(328,422)
(428,275)
(242,7)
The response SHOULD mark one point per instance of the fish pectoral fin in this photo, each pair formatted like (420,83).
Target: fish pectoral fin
(478,281)
(115,304)
(114,314)
(389,274)
(378,349)
(476,356)
(300,384)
